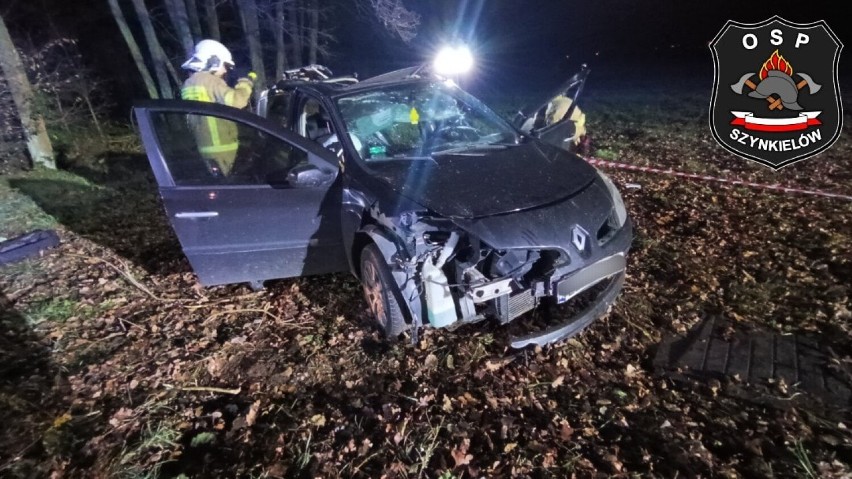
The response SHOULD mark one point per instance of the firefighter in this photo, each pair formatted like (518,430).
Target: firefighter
(556,110)
(216,138)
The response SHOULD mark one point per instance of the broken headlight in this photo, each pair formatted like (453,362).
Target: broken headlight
(617,202)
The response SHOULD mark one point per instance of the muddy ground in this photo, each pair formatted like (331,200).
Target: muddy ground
(115,363)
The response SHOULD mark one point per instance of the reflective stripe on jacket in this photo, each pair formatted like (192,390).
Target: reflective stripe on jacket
(215,135)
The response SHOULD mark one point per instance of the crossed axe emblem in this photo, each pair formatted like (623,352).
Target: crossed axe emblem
(787,96)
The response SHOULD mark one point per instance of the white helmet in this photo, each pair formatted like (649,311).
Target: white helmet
(209,55)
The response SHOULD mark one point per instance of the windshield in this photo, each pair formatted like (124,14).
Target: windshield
(421,120)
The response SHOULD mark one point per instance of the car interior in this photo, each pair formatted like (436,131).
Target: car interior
(314,121)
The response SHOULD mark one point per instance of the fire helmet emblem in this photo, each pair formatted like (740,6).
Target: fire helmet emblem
(776,98)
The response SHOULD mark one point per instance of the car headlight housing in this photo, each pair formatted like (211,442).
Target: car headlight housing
(617,201)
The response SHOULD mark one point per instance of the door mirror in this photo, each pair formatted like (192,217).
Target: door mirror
(279,178)
(308,176)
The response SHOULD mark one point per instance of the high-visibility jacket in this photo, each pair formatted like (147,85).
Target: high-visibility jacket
(556,110)
(216,138)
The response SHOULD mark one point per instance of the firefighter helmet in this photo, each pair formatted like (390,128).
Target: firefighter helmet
(209,55)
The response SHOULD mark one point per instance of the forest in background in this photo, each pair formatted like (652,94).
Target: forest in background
(54,104)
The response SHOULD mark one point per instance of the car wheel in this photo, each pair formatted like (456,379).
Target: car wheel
(381,292)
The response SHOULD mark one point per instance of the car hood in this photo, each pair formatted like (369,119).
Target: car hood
(479,183)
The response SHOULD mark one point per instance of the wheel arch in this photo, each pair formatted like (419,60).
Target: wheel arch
(412,305)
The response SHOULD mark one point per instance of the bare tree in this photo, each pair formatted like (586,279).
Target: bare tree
(295,33)
(172,71)
(313,30)
(158,58)
(399,20)
(135,52)
(58,72)
(38,142)
(194,19)
(251,30)
(179,18)
(212,19)
(277,27)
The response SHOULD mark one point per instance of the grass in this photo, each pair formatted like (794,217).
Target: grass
(54,310)
(60,196)
(19,213)
(805,464)
(61,309)
(607,154)
(427,450)
(161,438)
(203,439)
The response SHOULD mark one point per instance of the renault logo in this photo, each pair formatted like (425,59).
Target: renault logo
(578,238)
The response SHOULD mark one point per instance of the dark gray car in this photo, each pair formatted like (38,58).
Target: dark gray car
(446,213)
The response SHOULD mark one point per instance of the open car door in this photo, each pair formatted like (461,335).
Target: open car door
(557,120)
(248,200)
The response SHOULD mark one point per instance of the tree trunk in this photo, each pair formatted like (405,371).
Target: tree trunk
(171,68)
(251,29)
(303,37)
(278,33)
(134,48)
(295,34)
(180,21)
(194,19)
(312,33)
(154,49)
(38,142)
(91,108)
(212,19)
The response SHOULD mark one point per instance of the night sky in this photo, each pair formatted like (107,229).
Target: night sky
(520,46)
(535,44)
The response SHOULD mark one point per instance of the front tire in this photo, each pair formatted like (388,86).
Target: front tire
(381,292)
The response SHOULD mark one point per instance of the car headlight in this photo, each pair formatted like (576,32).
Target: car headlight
(617,202)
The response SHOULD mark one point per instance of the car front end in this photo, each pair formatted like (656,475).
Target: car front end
(478,220)
(454,271)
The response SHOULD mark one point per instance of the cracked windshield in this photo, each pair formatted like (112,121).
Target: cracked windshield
(421,121)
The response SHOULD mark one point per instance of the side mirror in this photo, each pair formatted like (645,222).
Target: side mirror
(308,176)
(279,178)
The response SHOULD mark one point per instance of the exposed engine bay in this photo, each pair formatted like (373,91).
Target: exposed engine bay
(450,277)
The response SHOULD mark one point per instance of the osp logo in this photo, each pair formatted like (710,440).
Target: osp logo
(776,98)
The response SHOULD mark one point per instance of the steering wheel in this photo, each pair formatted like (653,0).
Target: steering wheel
(333,143)
(451,134)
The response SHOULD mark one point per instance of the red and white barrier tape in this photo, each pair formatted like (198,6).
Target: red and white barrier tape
(695,176)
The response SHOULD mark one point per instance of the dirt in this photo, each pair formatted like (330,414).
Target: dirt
(115,363)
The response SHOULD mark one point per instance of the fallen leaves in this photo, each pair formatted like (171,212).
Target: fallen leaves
(291,381)
(431,361)
(497,364)
(318,420)
(460,455)
(251,416)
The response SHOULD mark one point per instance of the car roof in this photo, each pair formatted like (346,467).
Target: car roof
(331,88)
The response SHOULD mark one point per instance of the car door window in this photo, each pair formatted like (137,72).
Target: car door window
(203,149)
(279,107)
(314,121)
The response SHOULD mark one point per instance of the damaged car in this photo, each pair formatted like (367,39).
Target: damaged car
(446,213)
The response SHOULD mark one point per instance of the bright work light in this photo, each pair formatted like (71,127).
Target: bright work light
(453,61)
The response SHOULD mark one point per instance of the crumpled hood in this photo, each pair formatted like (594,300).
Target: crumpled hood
(479,183)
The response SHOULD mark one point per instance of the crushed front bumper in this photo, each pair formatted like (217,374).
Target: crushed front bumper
(611,269)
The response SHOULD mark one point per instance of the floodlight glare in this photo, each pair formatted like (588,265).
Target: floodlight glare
(453,61)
